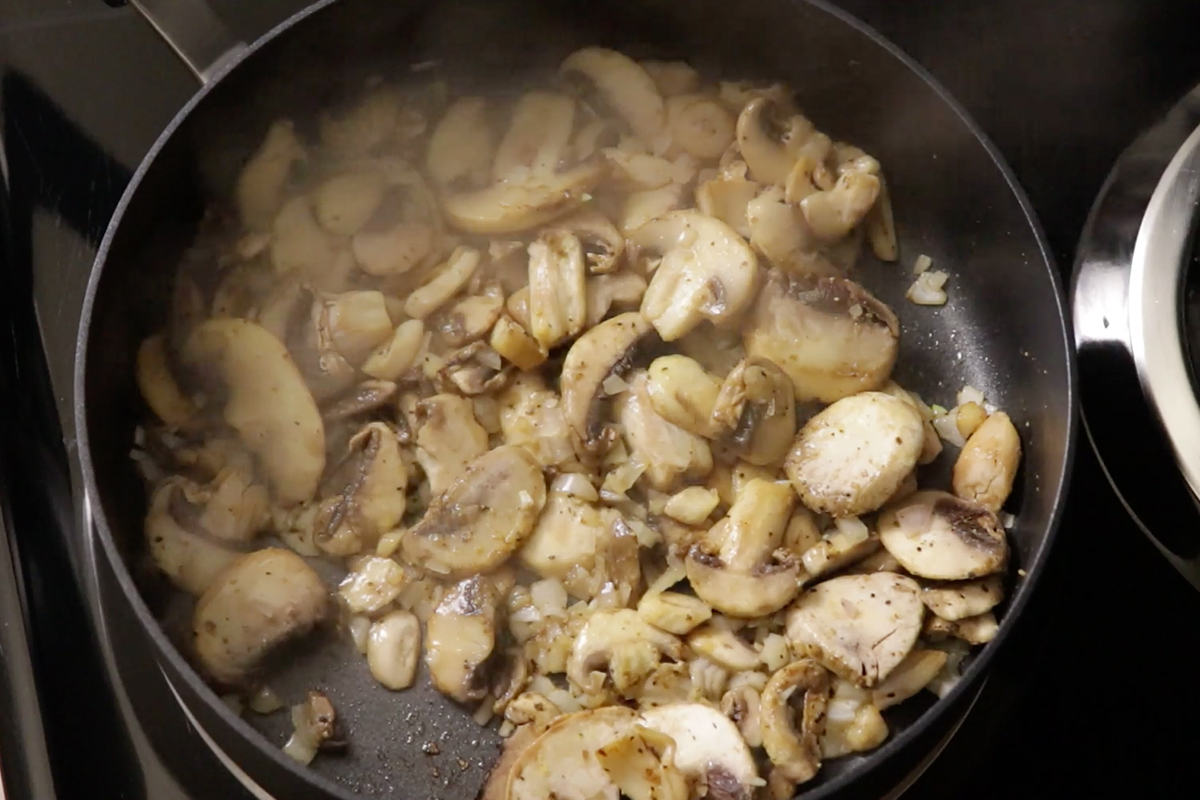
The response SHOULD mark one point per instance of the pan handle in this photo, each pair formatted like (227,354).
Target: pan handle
(194,31)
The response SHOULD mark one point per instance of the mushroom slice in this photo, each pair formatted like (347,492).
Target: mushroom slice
(443,283)
(850,458)
(771,138)
(300,245)
(700,125)
(834,213)
(779,231)
(755,412)
(672,77)
(393,648)
(723,647)
(557,288)
(448,438)
(158,386)
(604,350)
(537,136)
(641,207)
(519,204)
(683,393)
(641,765)
(735,570)
(727,198)
(460,638)
(473,317)
(562,761)
(532,416)
(667,451)
(567,537)
(622,644)
(603,245)
(393,250)
(942,537)
(473,370)
(268,403)
(612,289)
(986,467)
(358,323)
(460,147)
(795,749)
(310,338)
(979,629)
(346,202)
(189,559)
(624,85)
(707,272)
(673,612)
(834,552)
(955,601)
(261,184)
(709,748)
(831,336)
(262,600)
(371,495)
(912,675)
(370,395)
(859,626)
(482,518)
(514,343)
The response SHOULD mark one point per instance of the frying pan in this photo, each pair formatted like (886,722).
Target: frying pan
(1002,331)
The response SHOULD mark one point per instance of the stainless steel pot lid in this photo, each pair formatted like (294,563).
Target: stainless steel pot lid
(1136,302)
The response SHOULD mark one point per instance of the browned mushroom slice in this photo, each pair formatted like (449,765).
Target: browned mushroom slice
(624,86)
(191,560)
(605,350)
(484,516)
(939,536)
(979,629)
(667,451)
(473,317)
(754,414)
(460,638)
(859,626)
(795,750)
(958,600)
(448,438)
(370,499)
(987,465)
(603,245)
(514,206)
(370,395)
(831,336)
(708,748)
(771,137)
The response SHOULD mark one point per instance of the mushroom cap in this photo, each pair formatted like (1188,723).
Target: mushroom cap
(708,747)
(939,536)
(561,762)
(745,595)
(625,86)
(512,206)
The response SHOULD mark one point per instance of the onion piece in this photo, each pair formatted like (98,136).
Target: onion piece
(927,290)
(265,701)
(614,384)
(852,530)
(947,428)
(576,485)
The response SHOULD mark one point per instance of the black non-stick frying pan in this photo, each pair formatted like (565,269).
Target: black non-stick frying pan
(1002,331)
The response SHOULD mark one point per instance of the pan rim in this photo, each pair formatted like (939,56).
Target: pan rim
(871,761)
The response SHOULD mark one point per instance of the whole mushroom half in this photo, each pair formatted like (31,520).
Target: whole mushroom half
(937,535)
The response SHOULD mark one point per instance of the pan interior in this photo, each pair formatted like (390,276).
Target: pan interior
(1001,330)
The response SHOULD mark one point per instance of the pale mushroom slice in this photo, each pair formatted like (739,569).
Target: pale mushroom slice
(727,197)
(562,761)
(537,136)
(912,675)
(460,637)
(958,600)
(484,516)
(624,86)
(448,438)
(851,457)
(771,138)
(754,415)
(668,453)
(603,245)
(623,290)
(683,392)
(986,467)
(709,748)
(795,750)
(830,335)
(672,77)
(393,649)
(620,644)
(262,600)
(858,626)
(471,318)
(942,537)
(268,403)
(557,288)
(158,386)
(979,629)
(260,188)
(366,493)
(191,560)
(700,125)
(707,272)
(566,537)
(522,202)
(735,569)
(345,202)
(605,350)
(461,146)
(778,230)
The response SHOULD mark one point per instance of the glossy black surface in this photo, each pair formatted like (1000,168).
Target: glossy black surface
(1090,697)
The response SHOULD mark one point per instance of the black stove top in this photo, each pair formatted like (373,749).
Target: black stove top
(1091,695)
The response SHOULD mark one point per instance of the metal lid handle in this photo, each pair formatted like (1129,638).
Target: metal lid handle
(196,34)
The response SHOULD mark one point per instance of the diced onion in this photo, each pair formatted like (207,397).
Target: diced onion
(576,485)
(947,427)
(265,701)
(927,290)
(549,595)
(852,529)
(840,710)
(775,654)
(360,628)
(914,519)
(922,264)
(970,394)
(614,384)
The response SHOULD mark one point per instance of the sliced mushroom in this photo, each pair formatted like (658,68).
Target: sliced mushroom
(346,202)
(268,403)
(262,600)
(614,289)
(562,761)
(683,393)
(315,727)
(557,288)
(754,414)
(708,272)
(700,125)
(443,283)
(879,561)
(624,86)
(537,136)
(263,180)
(473,317)
(370,395)
(831,336)
(622,644)
(735,570)
(393,648)
(460,147)
(300,245)
(955,601)
(374,583)
(310,339)
(942,537)
(460,638)
(858,626)
(362,126)
(911,676)
(517,205)
(641,207)
(448,438)
(604,350)
(709,749)
(189,559)
(853,722)
(986,467)
(473,370)
(533,417)
(235,507)
(771,139)
(693,505)
(723,647)
(393,250)
(482,518)
(358,322)
(831,214)
(727,198)
(795,750)
(672,77)
(741,704)
(976,630)
(632,169)
(512,341)
(667,451)
(370,485)
(566,537)
(603,245)
(158,386)
(779,231)
(673,612)
(641,765)
(850,458)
